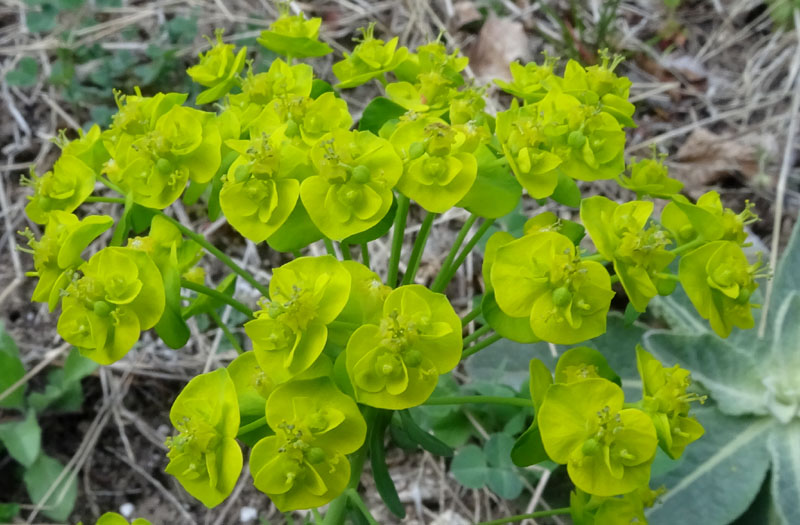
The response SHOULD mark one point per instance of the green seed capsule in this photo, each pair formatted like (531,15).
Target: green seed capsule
(562,297)
(102,308)
(361,174)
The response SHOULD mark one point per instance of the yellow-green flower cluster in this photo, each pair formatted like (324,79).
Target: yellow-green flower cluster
(119,292)
(608,445)
(541,278)
(158,145)
(570,126)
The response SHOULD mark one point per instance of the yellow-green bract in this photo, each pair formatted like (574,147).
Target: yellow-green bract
(706,220)
(304,465)
(439,167)
(218,70)
(608,449)
(205,457)
(290,332)
(396,364)
(112,518)
(370,59)
(650,177)
(157,146)
(294,36)
(352,187)
(667,402)
(103,312)
(639,254)
(720,281)
(541,277)
(57,254)
(62,189)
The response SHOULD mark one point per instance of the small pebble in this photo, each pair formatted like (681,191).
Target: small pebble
(247,514)
(126,509)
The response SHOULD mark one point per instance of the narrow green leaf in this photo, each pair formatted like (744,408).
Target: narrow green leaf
(380,471)
(425,440)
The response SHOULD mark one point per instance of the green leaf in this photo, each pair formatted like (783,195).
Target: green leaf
(787,278)
(631,314)
(297,232)
(38,479)
(469,467)
(59,395)
(182,30)
(567,191)
(140,218)
(22,439)
(76,367)
(318,87)
(380,471)
(422,438)
(727,371)
(8,512)
(719,475)
(495,192)
(377,113)
(43,20)
(784,447)
(172,328)
(25,74)
(11,371)
(529,449)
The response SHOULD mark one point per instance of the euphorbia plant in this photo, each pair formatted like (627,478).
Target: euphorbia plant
(336,346)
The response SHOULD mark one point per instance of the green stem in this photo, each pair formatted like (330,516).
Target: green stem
(258,423)
(669,276)
(225,330)
(597,257)
(115,200)
(472,315)
(688,247)
(480,345)
(365,254)
(532,515)
(216,252)
(614,279)
(419,247)
(199,288)
(462,234)
(463,255)
(110,185)
(355,499)
(468,400)
(476,334)
(397,239)
(346,255)
(329,246)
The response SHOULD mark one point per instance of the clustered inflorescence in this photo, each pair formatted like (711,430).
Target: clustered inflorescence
(279,158)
